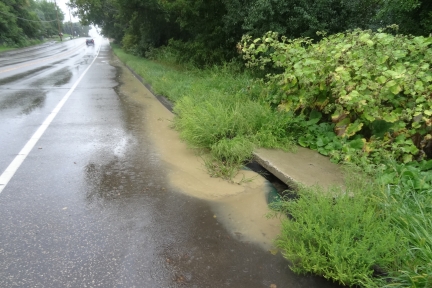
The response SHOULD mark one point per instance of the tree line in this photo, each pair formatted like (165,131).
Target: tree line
(75,29)
(22,21)
(207,31)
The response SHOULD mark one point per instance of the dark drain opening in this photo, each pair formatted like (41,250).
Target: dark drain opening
(278,188)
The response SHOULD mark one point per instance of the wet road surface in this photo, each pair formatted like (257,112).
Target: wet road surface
(91,205)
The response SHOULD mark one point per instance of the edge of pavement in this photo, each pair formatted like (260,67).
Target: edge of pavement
(301,167)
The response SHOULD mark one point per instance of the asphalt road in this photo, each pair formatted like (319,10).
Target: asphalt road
(88,203)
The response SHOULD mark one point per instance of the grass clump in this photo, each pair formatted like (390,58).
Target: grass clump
(341,235)
(230,127)
(411,214)
(369,235)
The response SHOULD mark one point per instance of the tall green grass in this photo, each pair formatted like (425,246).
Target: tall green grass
(342,235)
(368,235)
(411,214)
(217,110)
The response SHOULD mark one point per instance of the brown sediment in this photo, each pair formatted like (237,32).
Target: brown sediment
(240,206)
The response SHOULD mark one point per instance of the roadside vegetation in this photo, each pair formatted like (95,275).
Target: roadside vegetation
(375,233)
(217,110)
(28,22)
(358,91)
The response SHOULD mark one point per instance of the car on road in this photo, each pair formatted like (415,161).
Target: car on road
(89,42)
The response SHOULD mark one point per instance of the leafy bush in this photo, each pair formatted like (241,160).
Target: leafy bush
(373,86)
(415,175)
(130,44)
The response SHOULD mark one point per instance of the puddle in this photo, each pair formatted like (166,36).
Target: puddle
(239,207)
(245,216)
(57,78)
(22,76)
(27,100)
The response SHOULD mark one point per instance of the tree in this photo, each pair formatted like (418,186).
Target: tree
(206,31)
(76,29)
(10,32)
(22,20)
(412,16)
(47,12)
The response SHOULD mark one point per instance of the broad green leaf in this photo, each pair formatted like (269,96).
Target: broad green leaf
(367,116)
(357,144)
(323,151)
(381,79)
(353,128)
(354,94)
(320,142)
(416,125)
(322,86)
(395,89)
(426,65)
(364,37)
(343,123)
(382,59)
(303,141)
(314,114)
(407,158)
(427,112)
(391,73)
(420,99)
(391,83)
(426,165)
(390,117)
(419,86)
(387,178)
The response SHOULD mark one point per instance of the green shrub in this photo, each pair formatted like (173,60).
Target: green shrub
(371,85)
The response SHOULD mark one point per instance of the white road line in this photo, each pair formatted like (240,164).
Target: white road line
(7,175)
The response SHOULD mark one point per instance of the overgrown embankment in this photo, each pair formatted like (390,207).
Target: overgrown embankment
(217,110)
(326,96)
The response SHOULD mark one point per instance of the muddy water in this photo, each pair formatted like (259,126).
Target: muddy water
(240,206)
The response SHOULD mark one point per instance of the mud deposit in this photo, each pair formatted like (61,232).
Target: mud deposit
(240,206)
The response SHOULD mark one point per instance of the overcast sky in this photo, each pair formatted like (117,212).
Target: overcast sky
(62,5)
(65,9)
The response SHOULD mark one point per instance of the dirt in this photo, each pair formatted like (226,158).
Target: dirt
(240,206)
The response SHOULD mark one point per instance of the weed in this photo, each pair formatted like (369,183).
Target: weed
(411,214)
(341,235)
